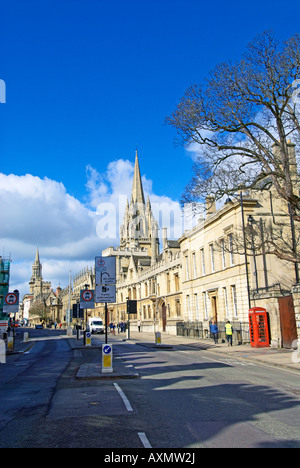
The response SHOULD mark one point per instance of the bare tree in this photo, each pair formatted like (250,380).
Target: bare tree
(41,310)
(241,120)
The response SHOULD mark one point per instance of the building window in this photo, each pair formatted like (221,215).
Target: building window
(203,261)
(205,306)
(188,306)
(225,302)
(212,257)
(176,277)
(187,267)
(234,301)
(230,244)
(223,254)
(168,283)
(196,307)
(195,265)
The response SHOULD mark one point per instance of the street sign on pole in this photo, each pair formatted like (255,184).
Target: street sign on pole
(105,293)
(11,303)
(87,298)
(105,270)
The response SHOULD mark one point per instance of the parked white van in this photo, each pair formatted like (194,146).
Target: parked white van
(95,325)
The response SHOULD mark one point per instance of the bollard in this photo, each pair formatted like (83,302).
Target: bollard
(10,343)
(157,338)
(87,339)
(25,337)
(107,359)
(2,352)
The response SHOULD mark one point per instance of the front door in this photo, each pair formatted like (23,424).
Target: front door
(214,308)
(164,317)
(287,321)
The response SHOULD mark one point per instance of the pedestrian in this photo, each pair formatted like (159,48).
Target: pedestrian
(229,333)
(55,325)
(214,331)
(139,325)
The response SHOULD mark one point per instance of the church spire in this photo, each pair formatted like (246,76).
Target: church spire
(37,257)
(137,194)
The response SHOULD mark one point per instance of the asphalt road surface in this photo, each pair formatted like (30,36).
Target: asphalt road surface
(184,399)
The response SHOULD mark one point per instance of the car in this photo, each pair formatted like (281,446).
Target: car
(39,326)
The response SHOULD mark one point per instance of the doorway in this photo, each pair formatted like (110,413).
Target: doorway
(214,308)
(164,317)
(287,321)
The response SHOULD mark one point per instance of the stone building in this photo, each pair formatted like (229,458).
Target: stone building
(41,292)
(216,270)
(209,273)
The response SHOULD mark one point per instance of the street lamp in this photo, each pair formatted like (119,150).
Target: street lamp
(251,222)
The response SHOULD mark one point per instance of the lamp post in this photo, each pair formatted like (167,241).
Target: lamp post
(245,250)
(250,224)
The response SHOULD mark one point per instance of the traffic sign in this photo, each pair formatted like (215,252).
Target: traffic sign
(107,349)
(107,358)
(11,303)
(105,293)
(88,339)
(105,270)
(87,298)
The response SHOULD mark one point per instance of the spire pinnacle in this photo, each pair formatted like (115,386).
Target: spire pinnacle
(137,194)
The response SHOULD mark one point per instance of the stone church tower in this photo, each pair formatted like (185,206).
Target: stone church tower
(139,228)
(36,277)
(37,287)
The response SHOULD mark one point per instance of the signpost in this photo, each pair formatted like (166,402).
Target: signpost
(107,358)
(105,270)
(11,306)
(11,303)
(105,289)
(87,299)
(106,293)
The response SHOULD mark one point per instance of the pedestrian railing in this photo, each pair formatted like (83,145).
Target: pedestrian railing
(199,330)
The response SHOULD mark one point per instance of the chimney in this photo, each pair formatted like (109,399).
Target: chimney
(210,205)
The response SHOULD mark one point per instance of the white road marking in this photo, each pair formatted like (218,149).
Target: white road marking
(144,440)
(124,398)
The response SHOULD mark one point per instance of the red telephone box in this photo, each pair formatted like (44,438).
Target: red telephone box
(259,327)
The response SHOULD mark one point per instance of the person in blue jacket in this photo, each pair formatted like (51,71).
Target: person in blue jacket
(214,331)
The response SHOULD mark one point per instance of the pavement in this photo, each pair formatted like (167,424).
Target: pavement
(278,357)
(288,359)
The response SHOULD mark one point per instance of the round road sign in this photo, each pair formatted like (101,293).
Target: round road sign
(87,295)
(11,299)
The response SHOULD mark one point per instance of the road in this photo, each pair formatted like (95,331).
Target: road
(184,399)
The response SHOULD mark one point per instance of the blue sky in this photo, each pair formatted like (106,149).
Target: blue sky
(88,81)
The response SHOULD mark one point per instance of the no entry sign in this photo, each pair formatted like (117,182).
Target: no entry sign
(11,303)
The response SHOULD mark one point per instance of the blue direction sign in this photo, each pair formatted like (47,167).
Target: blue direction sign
(105,270)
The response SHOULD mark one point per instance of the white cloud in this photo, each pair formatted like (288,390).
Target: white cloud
(69,233)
